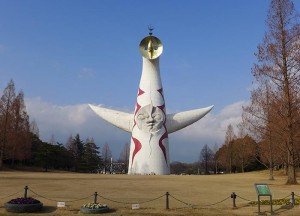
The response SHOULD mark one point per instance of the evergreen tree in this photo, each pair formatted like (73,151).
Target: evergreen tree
(71,150)
(75,148)
(91,160)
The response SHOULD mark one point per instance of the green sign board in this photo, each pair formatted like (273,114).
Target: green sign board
(263,190)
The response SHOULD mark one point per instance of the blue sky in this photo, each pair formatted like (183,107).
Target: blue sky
(66,54)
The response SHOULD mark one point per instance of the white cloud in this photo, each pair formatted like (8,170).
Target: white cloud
(50,114)
(86,73)
(210,130)
(185,145)
(214,125)
(63,121)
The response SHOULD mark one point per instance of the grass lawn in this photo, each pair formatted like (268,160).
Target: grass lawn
(120,191)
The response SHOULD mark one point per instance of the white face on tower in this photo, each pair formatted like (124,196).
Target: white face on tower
(150,119)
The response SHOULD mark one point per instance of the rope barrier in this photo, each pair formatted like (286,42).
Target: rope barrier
(59,200)
(130,202)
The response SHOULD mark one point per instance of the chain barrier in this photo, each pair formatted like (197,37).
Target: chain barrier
(10,195)
(286,196)
(216,202)
(297,195)
(251,200)
(152,199)
(59,200)
(130,203)
(192,205)
(95,195)
(245,205)
(188,204)
(244,198)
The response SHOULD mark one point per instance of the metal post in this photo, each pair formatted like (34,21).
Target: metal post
(271,202)
(25,191)
(167,200)
(95,197)
(233,196)
(293,198)
(258,204)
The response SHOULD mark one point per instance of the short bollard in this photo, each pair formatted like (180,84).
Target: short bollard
(293,199)
(167,200)
(233,196)
(95,197)
(25,191)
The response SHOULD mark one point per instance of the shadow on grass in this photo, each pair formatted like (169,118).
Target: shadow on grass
(112,210)
(48,209)
(283,208)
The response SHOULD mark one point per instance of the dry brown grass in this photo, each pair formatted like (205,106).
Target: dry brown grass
(197,190)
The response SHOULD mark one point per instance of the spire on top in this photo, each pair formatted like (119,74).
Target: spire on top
(150,28)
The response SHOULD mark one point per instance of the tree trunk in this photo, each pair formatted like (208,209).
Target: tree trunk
(230,158)
(284,169)
(291,175)
(13,156)
(243,169)
(230,170)
(291,169)
(271,168)
(1,159)
(271,175)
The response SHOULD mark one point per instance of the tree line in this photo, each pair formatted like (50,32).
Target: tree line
(20,143)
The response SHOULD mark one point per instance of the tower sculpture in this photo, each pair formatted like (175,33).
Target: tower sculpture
(149,125)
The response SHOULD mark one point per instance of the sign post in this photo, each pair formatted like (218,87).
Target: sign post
(263,189)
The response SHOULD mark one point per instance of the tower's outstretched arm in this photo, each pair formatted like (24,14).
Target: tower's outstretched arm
(177,121)
(174,122)
(117,118)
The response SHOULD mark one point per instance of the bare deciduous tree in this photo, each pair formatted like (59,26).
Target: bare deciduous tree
(229,138)
(15,138)
(260,120)
(206,158)
(124,156)
(279,64)
(6,102)
(19,141)
(106,157)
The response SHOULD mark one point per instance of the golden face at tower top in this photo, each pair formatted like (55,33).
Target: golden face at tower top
(151,47)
